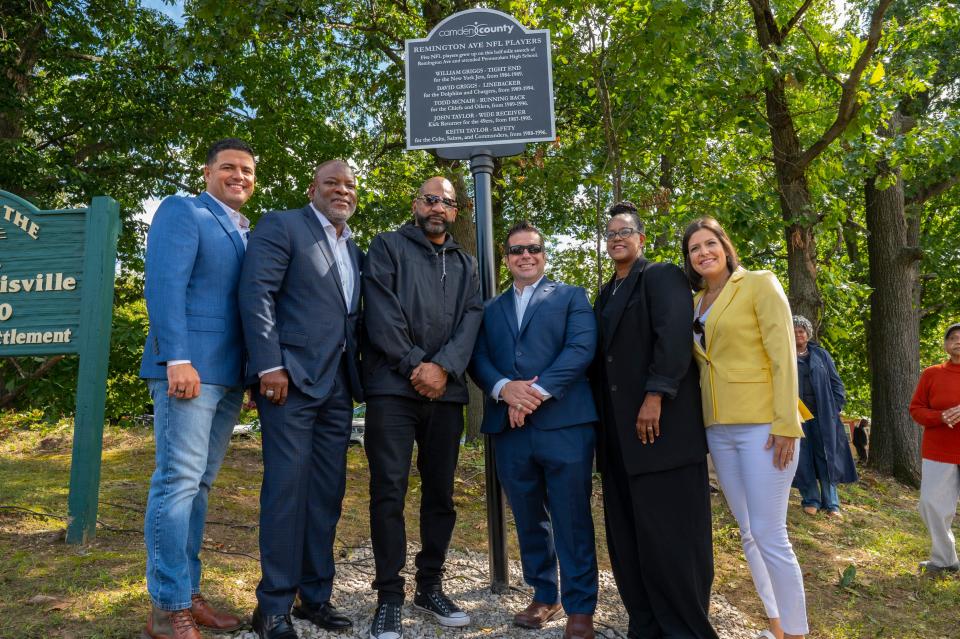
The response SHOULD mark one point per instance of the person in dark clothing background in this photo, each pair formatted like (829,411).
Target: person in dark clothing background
(423,308)
(825,457)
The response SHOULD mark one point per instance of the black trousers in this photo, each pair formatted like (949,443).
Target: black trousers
(661,548)
(304,476)
(392,426)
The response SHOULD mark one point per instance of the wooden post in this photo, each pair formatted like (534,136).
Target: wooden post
(96,312)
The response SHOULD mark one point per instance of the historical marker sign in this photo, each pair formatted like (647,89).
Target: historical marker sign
(478,79)
(56,296)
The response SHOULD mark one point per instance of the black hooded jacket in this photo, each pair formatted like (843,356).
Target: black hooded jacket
(422,303)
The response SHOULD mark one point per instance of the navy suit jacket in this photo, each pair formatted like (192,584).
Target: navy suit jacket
(292,305)
(194,255)
(556,341)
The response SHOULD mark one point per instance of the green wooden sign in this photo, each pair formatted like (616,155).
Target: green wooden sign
(57,271)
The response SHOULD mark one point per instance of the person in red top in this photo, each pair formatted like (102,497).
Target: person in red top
(936,407)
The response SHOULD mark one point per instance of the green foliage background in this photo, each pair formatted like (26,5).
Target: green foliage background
(663,97)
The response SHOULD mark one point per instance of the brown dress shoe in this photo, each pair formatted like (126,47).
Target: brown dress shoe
(209,617)
(579,627)
(170,624)
(537,614)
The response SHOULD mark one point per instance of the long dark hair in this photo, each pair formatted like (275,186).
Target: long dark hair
(710,224)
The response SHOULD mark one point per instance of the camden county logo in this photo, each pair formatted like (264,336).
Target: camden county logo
(476,29)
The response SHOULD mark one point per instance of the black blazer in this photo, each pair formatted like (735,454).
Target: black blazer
(646,345)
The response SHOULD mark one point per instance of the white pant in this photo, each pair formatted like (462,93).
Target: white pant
(757,493)
(939,492)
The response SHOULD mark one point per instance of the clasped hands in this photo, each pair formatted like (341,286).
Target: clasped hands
(951,416)
(522,399)
(429,379)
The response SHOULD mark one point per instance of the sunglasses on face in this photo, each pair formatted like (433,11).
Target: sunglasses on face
(431,200)
(518,249)
(623,233)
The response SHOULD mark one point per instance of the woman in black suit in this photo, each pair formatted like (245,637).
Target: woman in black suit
(652,448)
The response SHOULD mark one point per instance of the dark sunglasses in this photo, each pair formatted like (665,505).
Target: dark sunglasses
(518,249)
(431,199)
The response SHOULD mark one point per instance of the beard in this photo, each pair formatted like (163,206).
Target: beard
(338,217)
(431,225)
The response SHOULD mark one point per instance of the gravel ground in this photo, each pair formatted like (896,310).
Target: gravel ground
(466,582)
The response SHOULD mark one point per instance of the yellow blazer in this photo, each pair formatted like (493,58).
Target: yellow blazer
(748,373)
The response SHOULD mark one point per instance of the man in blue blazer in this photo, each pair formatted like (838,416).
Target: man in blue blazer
(535,344)
(193,364)
(300,306)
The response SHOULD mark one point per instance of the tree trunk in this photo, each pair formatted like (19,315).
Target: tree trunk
(894,340)
(805,298)
(601,228)
(663,201)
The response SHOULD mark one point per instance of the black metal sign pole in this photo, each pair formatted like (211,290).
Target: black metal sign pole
(480,86)
(481,166)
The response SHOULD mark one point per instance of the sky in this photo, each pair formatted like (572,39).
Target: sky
(173,9)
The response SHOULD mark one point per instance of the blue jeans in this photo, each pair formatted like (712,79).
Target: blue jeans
(819,492)
(191,439)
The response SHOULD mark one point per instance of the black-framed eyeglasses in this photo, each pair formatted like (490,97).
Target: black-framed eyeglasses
(623,233)
(431,199)
(518,249)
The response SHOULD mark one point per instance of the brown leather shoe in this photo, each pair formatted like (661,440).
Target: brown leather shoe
(209,617)
(579,627)
(170,624)
(537,614)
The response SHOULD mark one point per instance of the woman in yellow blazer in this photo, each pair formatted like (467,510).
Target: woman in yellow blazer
(744,345)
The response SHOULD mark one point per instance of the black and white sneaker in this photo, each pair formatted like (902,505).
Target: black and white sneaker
(387,622)
(439,605)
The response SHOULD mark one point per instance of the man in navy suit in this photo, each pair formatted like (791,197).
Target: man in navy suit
(193,364)
(300,306)
(530,359)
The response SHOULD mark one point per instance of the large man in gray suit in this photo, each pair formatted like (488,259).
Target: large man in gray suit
(300,304)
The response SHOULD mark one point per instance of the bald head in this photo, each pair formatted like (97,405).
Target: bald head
(336,162)
(435,208)
(431,185)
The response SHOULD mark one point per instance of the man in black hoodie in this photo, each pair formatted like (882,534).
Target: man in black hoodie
(423,309)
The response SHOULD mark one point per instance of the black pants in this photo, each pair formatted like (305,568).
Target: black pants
(661,548)
(392,426)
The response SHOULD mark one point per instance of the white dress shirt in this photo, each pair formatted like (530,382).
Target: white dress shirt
(341,253)
(521,299)
(242,224)
(239,220)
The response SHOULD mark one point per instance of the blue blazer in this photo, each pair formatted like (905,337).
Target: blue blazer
(292,304)
(194,255)
(556,342)
(831,397)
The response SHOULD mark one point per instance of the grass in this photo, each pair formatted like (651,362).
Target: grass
(51,589)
